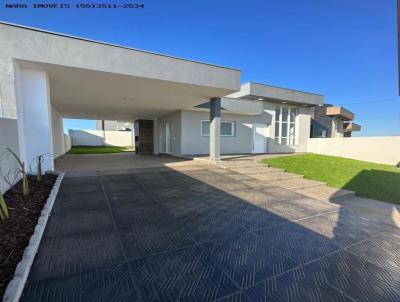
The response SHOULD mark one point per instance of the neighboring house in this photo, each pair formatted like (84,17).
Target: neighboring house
(332,121)
(113,125)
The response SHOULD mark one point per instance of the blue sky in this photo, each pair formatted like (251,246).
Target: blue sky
(344,49)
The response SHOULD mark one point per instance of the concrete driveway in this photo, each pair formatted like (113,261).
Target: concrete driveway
(116,161)
(194,232)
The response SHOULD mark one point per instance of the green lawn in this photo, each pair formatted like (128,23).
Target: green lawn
(367,179)
(99,149)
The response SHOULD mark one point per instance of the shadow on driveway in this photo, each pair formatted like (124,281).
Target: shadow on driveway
(205,234)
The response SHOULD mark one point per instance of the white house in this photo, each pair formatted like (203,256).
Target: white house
(179,106)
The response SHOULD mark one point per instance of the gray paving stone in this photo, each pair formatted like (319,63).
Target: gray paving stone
(248,260)
(184,275)
(79,221)
(286,210)
(369,223)
(357,278)
(298,285)
(382,250)
(252,217)
(314,205)
(211,225)
(106,284)
(128,215)
(173,235)
(298,243)
(339,233)
(148,239)
(76,253)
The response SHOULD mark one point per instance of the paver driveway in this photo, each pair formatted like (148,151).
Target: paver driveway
(204,234)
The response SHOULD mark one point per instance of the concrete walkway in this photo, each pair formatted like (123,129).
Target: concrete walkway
(251,166)
(202,233)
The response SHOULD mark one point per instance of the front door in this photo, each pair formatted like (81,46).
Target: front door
(259,138)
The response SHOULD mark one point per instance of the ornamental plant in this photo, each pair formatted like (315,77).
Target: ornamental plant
(39,172)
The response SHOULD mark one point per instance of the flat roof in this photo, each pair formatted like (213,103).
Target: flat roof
(250,82)
(109,44)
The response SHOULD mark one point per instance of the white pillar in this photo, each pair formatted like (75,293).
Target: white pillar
(34,118)
(215,129)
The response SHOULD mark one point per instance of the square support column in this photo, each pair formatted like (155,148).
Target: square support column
(35,125)
(215,129)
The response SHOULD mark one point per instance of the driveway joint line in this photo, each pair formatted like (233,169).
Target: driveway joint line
(120,240)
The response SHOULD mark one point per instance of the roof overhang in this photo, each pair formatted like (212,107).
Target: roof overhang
(341,112)
(262,92)
(235,106)
(351,126)
(91,79)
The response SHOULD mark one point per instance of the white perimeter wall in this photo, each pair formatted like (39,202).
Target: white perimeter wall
(8,139)
(61,144)
(378,149)
(100,138)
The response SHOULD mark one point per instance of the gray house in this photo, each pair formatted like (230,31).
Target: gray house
(178,106)
(257,119)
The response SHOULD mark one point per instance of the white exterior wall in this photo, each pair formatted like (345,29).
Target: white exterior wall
(176,128)
(194,143)
(241,142)
(8,139)
(378,149)
(303,124)
(100,138)
(34,117)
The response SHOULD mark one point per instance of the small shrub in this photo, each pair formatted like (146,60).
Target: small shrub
(39,172)
(25,182)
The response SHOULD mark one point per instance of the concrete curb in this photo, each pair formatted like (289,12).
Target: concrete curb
(15,287)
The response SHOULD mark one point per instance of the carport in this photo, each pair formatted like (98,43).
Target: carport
(55,76)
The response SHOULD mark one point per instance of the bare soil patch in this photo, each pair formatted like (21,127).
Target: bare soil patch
(16,231)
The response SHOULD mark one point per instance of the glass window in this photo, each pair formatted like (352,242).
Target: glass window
(291,130)
(293,114)
(285,125)
(285,114)
(284,130)
(227,128)
(277,130)
(277,113)
(205,128)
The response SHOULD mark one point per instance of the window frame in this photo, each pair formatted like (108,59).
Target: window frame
(290,140)
(232,123)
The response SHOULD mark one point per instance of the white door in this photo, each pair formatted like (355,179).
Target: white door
(259,138)
(167,138)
